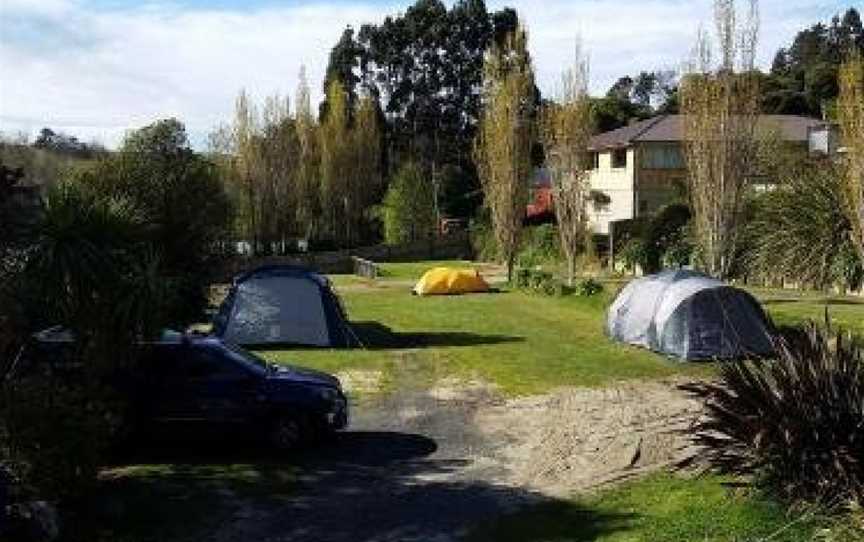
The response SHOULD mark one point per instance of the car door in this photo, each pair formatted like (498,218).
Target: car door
(218,390)
(169,398)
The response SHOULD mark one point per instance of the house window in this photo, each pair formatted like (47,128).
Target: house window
(595,160)
(619,158)
(662,157)
(600,201)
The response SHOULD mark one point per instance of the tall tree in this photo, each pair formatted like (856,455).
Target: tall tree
(851,114)
(721,108)
(567,128)
(307,181)
(803,78)
(336,162)
(408,209)
(182,200)
(425,67)
(506,138)
(366,180)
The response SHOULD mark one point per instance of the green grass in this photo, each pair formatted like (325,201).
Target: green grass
(524,343)
(176,501)
(415,270)
(791,308)
(660,508)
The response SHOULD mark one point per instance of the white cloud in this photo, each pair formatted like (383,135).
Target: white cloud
(99,72)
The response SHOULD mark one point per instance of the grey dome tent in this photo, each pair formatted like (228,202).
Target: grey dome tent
(283,305)
(689,316)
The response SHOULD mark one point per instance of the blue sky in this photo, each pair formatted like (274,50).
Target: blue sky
(99,68)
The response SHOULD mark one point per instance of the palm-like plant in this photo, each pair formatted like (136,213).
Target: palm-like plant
(92,271)
(796,422)
(810,243)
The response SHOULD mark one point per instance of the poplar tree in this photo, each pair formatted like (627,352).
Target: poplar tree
(566,130)
(506,135)
(721,111)
(307,181)
(335,166)
(851,117)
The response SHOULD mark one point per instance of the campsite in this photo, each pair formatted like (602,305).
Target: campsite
(467,416)
(431,271)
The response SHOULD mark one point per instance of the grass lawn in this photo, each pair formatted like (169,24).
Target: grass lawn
(176,501)
(661,508)
(790,307)
(524,343)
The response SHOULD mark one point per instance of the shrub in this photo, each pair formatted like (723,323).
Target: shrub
(588,287)
(408,209)
(540,245)
(812,243)
(92,270)
(184,210)
(483,239)
(666,238)
(796,422)
(633,254)
(543,282)
(58,435)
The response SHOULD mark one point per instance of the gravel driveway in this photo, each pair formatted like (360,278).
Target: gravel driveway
(428,464)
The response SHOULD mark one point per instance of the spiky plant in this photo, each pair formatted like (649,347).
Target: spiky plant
(795,422)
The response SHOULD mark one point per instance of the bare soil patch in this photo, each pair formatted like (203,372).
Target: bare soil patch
(578,439)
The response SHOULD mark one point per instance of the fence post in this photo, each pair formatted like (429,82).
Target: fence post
(612,246)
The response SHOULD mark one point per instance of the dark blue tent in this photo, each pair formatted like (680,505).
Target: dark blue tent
(690,316)
(284,305)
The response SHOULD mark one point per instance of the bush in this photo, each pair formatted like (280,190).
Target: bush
(543,282)
(588,287)
(634,254)
(182,204)
(483,239)
(666,239)
(535,280)
(811,244)
(540,245)
(408,209)
(796,422)
(58,435)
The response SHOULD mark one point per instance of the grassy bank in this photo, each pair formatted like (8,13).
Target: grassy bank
(661,508)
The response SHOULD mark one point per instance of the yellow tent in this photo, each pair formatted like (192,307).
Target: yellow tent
(447,280)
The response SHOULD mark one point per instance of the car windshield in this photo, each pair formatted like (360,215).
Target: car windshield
(247,356)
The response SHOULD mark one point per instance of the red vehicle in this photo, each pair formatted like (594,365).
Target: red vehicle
(541,208)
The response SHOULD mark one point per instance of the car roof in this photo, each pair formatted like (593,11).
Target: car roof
(64,335)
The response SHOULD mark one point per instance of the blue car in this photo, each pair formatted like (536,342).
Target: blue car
(192,382)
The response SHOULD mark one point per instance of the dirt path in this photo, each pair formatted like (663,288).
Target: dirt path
(425,465)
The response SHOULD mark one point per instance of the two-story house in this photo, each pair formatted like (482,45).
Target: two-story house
(639,168)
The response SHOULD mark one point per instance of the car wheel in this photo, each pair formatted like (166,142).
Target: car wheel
(287,433)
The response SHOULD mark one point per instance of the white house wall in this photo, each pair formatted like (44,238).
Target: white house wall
(618,184)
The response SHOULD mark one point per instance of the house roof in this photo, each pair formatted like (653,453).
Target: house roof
(670,129)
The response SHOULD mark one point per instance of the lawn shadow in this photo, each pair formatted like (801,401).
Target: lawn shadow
(562,521)
(816,301)
(364,486)
(377,336)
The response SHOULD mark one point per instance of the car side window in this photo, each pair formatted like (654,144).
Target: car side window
(200,364)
